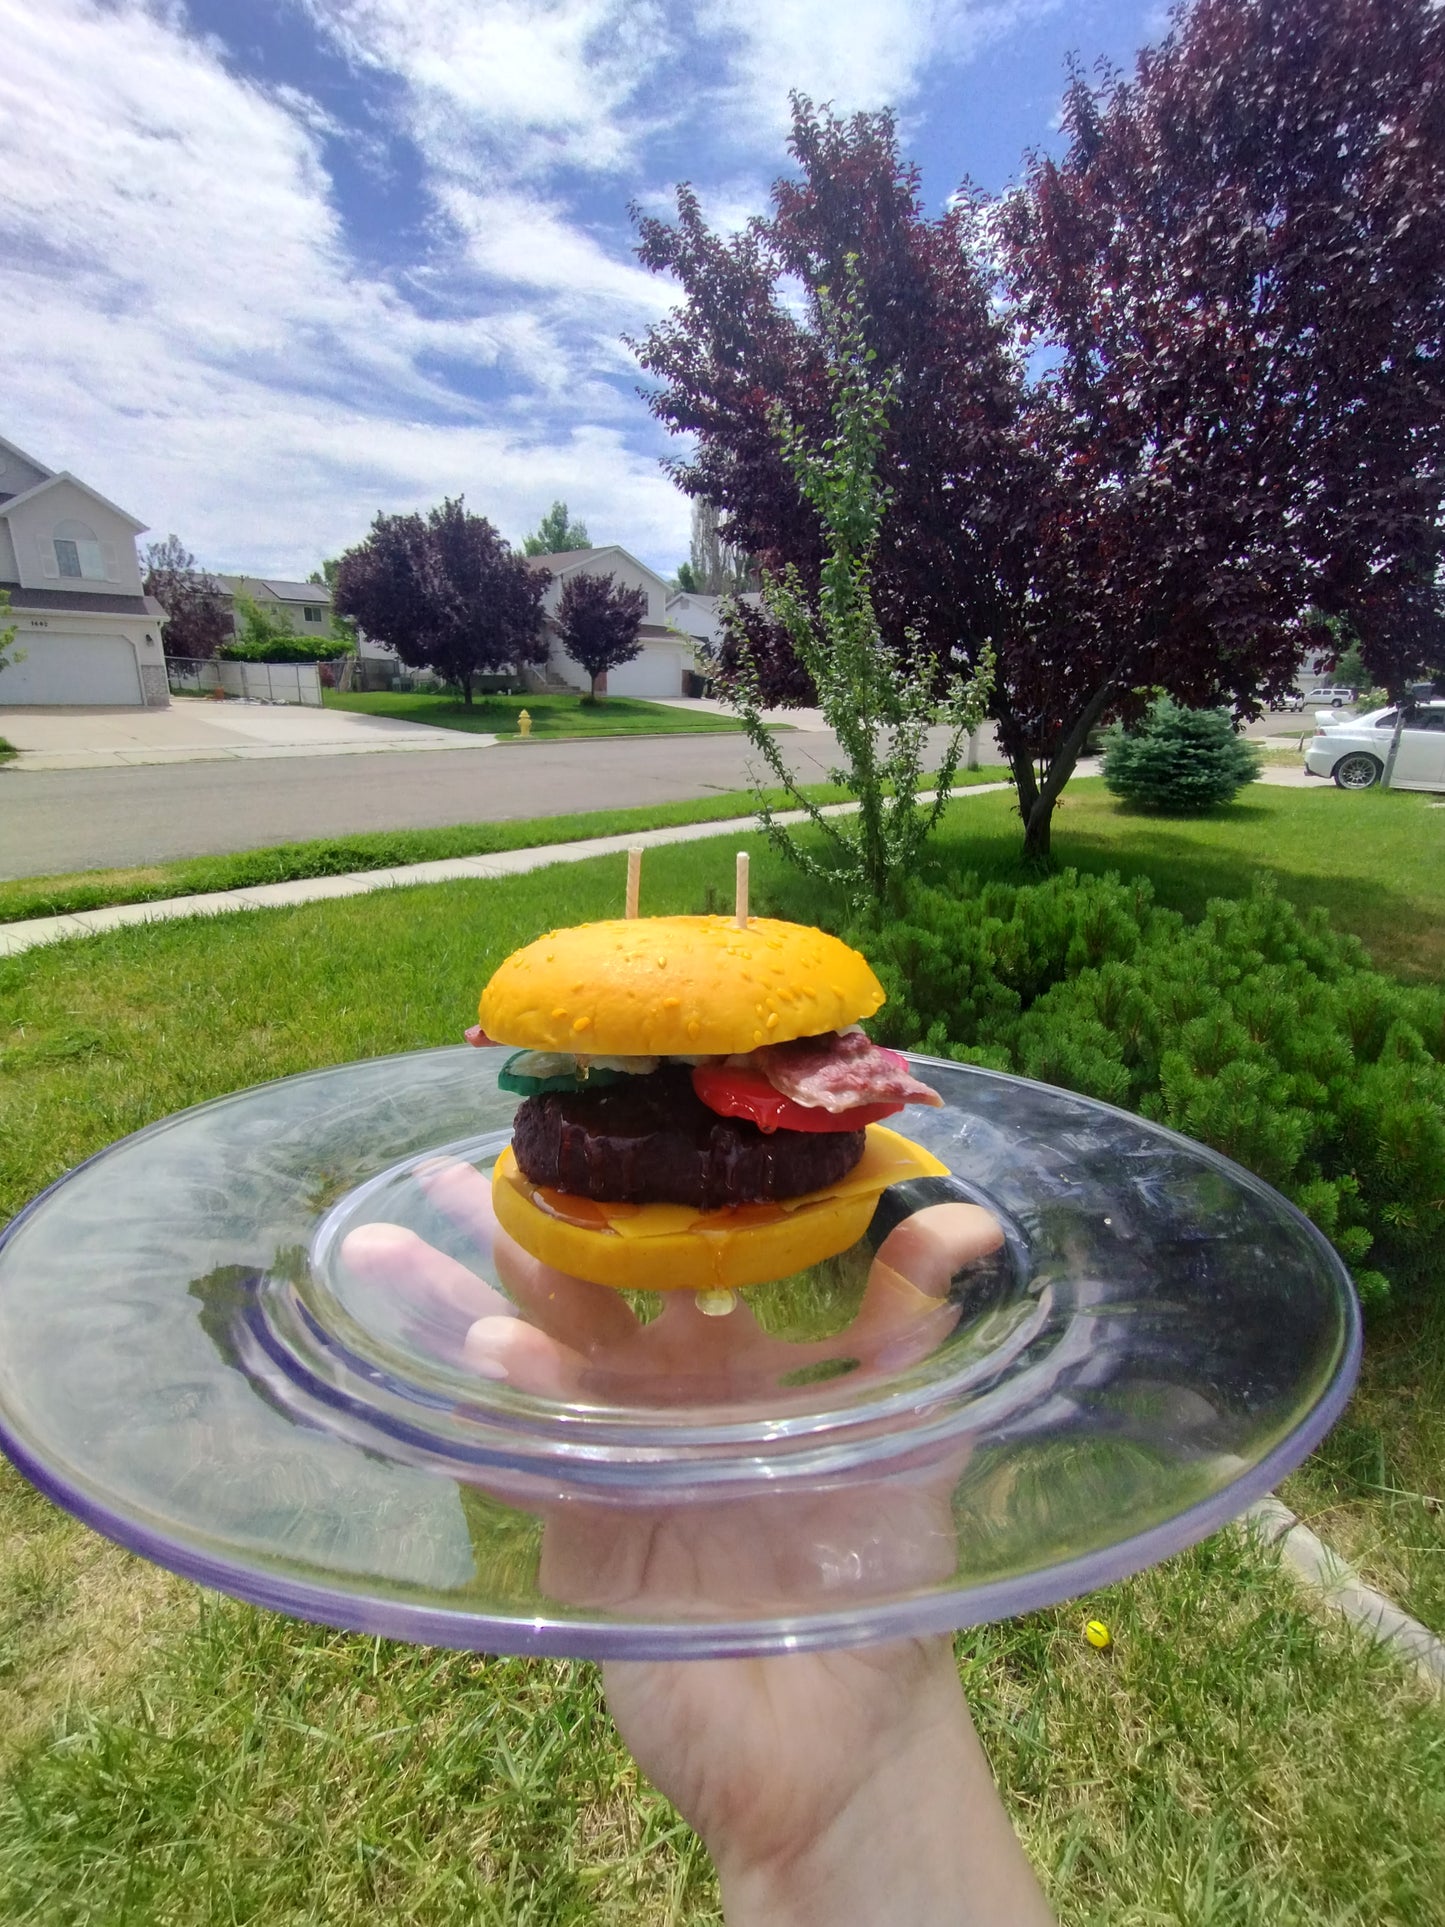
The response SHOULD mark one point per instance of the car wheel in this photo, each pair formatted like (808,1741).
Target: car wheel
(1359,771)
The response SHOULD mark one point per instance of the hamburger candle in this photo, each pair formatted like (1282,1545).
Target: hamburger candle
(700,1109)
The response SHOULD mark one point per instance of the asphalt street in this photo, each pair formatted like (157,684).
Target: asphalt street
(57,820)
(87,819)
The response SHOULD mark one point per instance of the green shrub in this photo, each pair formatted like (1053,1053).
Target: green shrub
(1257,1030)
(1178,760)
(287,648)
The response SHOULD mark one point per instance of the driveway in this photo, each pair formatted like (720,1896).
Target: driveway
(195,731)
(99,818)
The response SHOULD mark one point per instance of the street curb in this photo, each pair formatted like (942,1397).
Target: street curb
(1341,1588)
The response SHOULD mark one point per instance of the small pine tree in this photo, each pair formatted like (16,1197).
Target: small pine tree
(1179,761)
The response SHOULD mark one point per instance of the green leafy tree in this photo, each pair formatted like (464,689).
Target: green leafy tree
(716,566)
(258,629)
(556,533)
(8,652)
(880,703)
(1179,760)
(343,629)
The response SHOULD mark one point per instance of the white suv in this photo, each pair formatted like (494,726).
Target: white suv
(1354,752)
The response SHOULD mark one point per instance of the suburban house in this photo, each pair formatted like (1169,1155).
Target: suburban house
(86,634)
(699,616)
(667,656)
(304,607)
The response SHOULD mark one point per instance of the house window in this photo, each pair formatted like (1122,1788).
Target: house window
(77,552)
(311,613)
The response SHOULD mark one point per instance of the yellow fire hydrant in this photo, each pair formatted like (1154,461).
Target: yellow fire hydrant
(524,723)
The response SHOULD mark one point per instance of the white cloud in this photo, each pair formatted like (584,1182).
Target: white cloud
(185,327)
(528,242)
(856,54)
(184,322)
(526,85)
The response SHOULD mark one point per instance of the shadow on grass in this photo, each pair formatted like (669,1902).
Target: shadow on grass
(1223,812)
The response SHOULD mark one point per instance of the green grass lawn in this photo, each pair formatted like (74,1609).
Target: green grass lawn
(53,896)
(173,1758)
(551,715)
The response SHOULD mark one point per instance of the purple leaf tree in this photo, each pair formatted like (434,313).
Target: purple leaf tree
(599,623)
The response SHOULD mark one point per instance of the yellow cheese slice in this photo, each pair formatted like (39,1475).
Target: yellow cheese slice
(672,1247)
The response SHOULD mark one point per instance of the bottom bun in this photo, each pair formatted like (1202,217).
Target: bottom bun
(674,1247)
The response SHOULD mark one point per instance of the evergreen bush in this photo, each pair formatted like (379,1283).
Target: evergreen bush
(1257,1030)
(1178,760)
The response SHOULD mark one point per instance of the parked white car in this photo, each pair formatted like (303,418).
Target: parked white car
(1353,752)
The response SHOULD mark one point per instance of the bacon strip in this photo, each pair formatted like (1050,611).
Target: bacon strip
(839,1070)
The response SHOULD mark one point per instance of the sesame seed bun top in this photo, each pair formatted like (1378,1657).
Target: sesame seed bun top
(676,986)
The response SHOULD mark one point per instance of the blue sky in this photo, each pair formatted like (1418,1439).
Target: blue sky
(268,266)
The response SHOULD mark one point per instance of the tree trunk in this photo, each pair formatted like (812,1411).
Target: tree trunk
(592,697)
(1037,800)
(467,687)
(1038,832)
(1392,754)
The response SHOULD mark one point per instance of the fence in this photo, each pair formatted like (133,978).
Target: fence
(259,682)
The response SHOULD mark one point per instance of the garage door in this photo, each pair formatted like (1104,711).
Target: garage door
(656,672)
(70,669)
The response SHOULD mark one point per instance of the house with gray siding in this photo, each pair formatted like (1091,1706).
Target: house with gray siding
(304,607)
(86,632)
(666,656)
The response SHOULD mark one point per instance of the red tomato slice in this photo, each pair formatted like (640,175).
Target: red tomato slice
(732,1091)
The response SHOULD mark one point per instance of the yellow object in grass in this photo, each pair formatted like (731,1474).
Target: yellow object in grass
(1098,1635)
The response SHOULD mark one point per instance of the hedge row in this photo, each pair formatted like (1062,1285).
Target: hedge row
(1257,1030)
(287,649)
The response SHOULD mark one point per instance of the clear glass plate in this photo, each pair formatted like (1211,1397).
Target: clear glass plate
(189,1363)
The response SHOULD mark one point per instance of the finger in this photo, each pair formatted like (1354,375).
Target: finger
(577,1313)
(909,1279)
(398,1259)
(512,1350)
(931,1247)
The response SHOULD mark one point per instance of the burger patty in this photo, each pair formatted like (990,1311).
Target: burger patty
(651,1140)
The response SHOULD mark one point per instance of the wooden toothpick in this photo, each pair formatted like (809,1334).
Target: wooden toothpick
(740,909)
(634,878)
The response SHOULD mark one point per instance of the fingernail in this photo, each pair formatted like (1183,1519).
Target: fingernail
(481,1355)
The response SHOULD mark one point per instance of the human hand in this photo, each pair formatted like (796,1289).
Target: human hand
(828,1785)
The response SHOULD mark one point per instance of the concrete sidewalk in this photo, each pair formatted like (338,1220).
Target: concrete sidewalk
(193,731)
(28,935)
